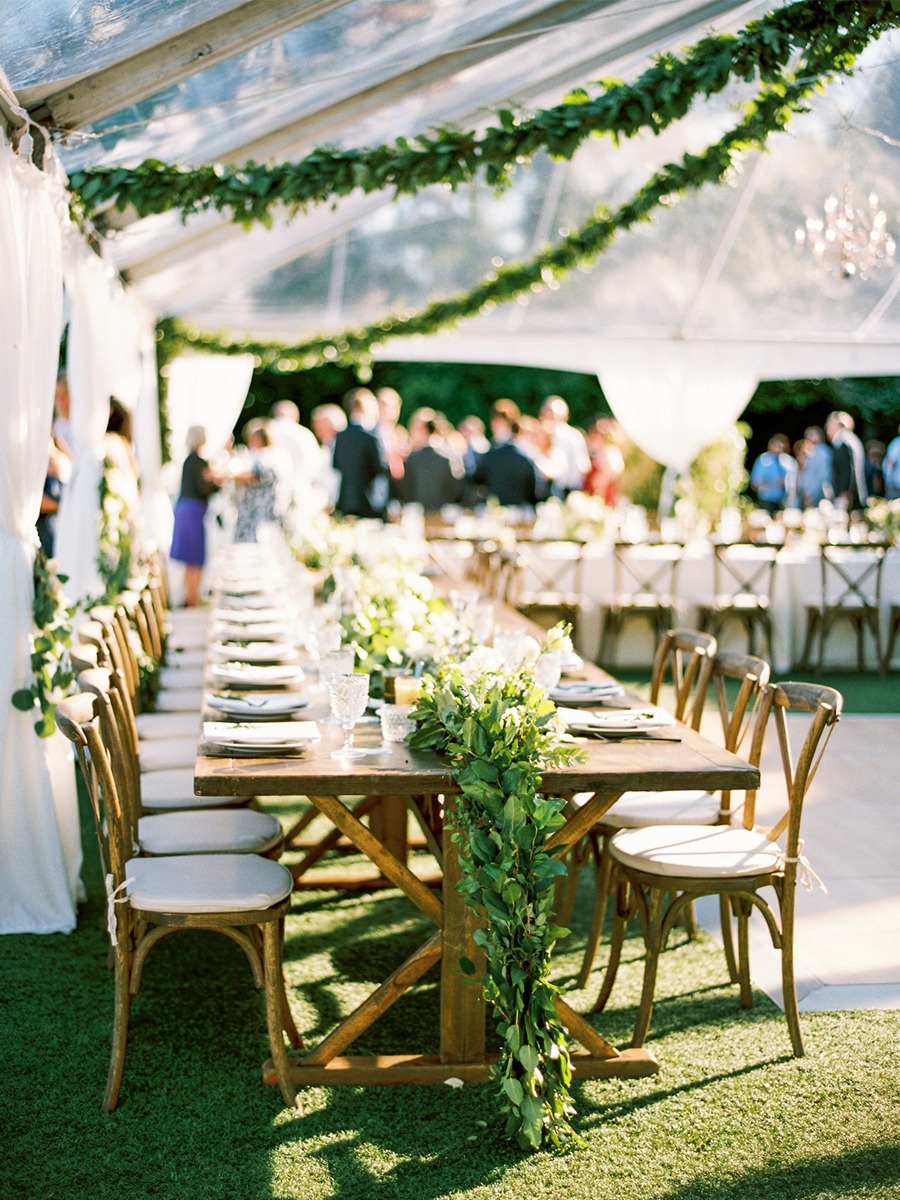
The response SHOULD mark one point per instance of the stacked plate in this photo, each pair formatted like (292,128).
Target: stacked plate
(255,652)
(583,691)
(616,724)
(273,707)
(253,675)
(277,738)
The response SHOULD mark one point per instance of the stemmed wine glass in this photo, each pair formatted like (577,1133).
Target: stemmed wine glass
(349,694)
(335,662)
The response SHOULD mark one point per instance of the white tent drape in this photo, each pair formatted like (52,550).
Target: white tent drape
(155,503)
(207,390)
(93,374)
(672,405)
(40,850)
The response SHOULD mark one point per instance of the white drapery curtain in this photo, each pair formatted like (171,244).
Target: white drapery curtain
(156,507)
(94,371)
(207,390)
(40,848)
(674,404)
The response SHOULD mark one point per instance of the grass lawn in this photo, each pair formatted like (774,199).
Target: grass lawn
(730,1116)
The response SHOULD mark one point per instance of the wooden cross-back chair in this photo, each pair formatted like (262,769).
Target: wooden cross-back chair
(850,592)
(242,896)
(663,868)
(546,582)
(636,810)
(743,581)
(644,589)
(173,824)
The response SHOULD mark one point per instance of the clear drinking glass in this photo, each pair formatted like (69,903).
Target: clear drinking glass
(335,662)
(349,694)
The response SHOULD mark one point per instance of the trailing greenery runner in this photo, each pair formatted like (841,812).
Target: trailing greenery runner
(662,95)
(500,731)
(113,534)
(52,674)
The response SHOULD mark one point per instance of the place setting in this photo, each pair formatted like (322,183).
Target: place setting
(275,739)
(259,652)
(644,724)
(245,675)
(275,706)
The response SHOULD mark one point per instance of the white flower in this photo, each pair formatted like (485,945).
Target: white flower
(524,655)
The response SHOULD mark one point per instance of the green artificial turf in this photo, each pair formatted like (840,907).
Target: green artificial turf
(730,1116)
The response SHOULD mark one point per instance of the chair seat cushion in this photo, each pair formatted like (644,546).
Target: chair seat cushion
(179,678)
(634,810)
(698,851)
(210,831)
(181,656)
(171,754)
(152,726)
(179,700)
(172,790)
(207,883)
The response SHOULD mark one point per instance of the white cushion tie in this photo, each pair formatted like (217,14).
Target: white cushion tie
(112,899)
(805,874)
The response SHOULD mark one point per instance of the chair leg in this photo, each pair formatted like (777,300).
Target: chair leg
(121,1013)
(812,621)
(275,1008)
(725,918)
(653,940)
(743,909)
(788,983)
(623,912)
(602,882)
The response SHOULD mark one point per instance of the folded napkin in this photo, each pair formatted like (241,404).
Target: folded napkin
(241,615)
(280,704)
(635,719)
(581,690)
(251,675)
(275,735)
(255,652)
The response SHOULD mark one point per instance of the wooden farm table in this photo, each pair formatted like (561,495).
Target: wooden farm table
(610,769)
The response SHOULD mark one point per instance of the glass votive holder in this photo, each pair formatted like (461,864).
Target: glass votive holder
(407,689)
(389,677)
(396,722)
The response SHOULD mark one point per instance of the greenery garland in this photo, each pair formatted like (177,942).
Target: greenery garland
(769,113)
(53,676)
(660,96)
(114,535)
(500,731)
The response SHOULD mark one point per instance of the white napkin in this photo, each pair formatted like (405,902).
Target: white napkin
(280,704)
(272,675)
(254,652)
(651,717)
(278,733)
(583,689)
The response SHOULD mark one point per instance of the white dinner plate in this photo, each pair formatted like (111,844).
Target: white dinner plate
(281,735)
(632,721)
(260,708)
(255,652)
(251,675)
(582,691)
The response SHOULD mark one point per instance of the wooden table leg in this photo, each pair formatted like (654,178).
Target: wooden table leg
(389,824)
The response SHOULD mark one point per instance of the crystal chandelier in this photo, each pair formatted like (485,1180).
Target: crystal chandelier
(850,240)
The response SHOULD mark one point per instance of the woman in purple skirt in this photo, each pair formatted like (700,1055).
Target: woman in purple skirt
(188,535)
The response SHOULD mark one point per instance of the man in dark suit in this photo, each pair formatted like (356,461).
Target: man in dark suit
(504,470)
(358,458)
(432,477)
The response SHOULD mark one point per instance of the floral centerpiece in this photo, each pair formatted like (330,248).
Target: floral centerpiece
(579,518)
(53,677)
(500,731)
(396,619)
(884,516)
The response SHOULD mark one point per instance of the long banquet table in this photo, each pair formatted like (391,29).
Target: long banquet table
(413,777)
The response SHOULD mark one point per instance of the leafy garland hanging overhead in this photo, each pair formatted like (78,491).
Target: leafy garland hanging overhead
(814,29)
(769,112)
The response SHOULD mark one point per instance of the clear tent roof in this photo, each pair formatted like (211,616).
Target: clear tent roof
(279,78)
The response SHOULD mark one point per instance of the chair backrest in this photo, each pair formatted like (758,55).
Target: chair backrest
(751,673)
(79,720)
(118,726)
(684,656)
(851,575)
(550,566)
(824,704)
(744,570)
(646,570)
